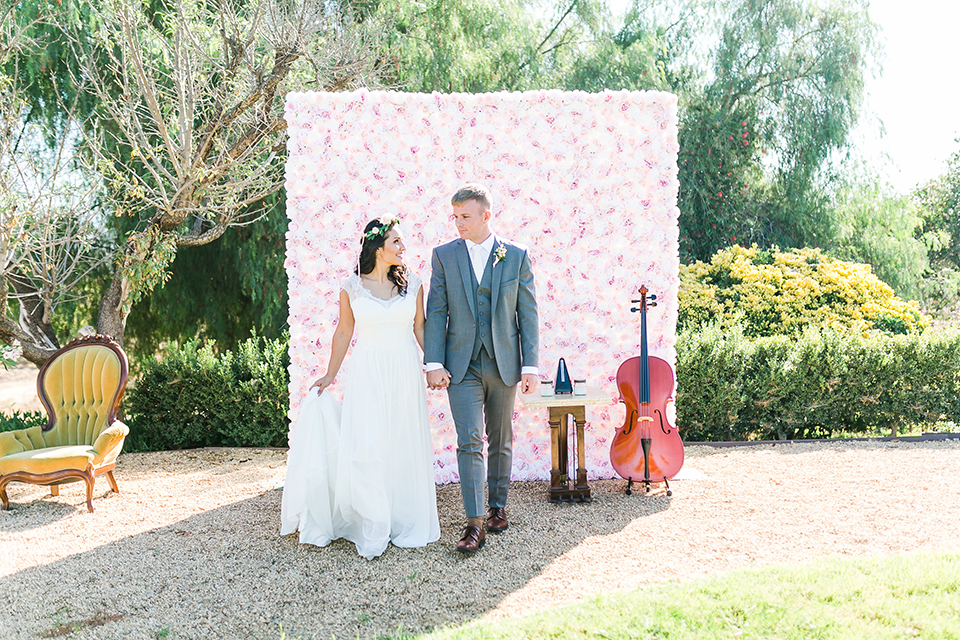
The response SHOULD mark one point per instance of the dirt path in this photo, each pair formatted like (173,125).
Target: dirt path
(18,389)
(191,547)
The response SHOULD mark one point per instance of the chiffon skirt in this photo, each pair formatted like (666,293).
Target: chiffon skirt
(364,471)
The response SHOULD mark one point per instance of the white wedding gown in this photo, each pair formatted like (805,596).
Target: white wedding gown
(364,472)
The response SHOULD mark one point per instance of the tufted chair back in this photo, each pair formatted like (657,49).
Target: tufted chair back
(81,388)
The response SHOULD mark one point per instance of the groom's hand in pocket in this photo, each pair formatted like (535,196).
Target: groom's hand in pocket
(438,379)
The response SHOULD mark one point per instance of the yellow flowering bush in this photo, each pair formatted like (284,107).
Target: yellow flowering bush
(772,292)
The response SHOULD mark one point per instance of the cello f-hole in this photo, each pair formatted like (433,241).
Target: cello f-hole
(662,422)
(633,422)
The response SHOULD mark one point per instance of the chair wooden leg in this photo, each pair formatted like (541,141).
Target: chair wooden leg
(54,489)
(3,494)
(88,478)
(113,482)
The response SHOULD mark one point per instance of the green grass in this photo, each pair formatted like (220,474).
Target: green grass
(910,596)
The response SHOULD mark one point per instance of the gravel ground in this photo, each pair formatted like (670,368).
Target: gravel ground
(191,548)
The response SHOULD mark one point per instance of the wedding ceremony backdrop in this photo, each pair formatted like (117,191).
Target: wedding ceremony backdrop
(587,181)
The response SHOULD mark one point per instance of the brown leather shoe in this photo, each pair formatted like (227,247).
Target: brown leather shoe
(472,541)
(497,520)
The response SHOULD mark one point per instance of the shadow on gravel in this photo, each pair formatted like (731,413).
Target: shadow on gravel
(40,511)
(226,573)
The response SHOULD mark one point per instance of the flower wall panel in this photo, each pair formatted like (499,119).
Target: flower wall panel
(587,181)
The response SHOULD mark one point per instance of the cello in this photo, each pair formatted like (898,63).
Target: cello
(647,448)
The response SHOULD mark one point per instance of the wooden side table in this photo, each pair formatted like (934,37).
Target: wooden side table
(561,407)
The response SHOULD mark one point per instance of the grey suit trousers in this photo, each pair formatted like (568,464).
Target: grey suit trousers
(481,402)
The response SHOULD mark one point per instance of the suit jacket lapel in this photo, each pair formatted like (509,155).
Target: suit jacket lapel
(495,274)
(466,268)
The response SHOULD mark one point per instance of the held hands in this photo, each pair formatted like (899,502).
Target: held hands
(528,383)
(323,383)
(438,379)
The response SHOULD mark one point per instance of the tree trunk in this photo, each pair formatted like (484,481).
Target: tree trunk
(110,319)
(32,321)
(38,341)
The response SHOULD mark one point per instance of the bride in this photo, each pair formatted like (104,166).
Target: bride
(364,472)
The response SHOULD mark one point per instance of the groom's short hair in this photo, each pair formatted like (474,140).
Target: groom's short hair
(476,192)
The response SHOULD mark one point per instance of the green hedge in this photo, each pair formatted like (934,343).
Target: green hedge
(735,388)
(23,420)
(731,387)
(198,398)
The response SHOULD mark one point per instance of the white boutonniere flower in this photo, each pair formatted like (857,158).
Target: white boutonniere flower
(499,254)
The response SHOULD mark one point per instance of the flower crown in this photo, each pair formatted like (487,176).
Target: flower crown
(381,230)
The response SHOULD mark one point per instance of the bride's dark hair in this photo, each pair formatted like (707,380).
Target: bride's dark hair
(369,243)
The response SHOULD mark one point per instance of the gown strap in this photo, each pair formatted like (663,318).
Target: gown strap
(352,286)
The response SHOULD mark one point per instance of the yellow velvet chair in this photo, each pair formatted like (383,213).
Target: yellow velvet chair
(80,387)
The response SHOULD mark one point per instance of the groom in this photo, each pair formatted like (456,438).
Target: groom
(481,339)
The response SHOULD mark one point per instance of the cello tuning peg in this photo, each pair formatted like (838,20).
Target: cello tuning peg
(651,304)
(634,309)
(652,296)
(635,301)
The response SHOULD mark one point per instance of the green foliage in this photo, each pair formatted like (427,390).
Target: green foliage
(939,204)
(197,398)
(815,385)
(769,292)
(22,420)
(144,262)
(48,75)
(875,226)
(488,45)
(445,45)
(757,131)
(220,290)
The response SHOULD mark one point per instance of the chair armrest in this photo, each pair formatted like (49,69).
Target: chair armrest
(109,439)
(9,444)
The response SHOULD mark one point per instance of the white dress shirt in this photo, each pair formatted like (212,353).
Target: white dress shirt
(479,255)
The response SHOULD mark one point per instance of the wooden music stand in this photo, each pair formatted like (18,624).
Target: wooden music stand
(562,406)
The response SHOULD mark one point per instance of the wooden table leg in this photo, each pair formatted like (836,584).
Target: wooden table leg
(564,447)
(579,418)
(555,484)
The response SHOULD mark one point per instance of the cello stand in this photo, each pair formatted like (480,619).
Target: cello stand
(646,482)
(645,445)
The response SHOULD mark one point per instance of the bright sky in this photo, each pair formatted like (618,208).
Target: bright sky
(917,97)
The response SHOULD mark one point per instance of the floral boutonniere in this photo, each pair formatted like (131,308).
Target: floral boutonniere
(499,253)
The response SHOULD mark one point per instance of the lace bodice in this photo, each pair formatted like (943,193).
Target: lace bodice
(383,323)
(353,285)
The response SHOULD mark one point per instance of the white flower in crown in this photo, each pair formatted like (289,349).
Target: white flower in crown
(499,253)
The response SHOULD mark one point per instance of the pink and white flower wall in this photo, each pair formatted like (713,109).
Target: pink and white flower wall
(587,181)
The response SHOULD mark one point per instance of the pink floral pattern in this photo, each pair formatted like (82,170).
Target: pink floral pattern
(587,181)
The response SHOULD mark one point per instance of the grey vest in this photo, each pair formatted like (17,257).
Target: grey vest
(482,297)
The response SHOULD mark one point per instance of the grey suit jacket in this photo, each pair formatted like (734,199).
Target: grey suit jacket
(451,325)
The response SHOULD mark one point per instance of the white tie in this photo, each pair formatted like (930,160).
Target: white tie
(476,255)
